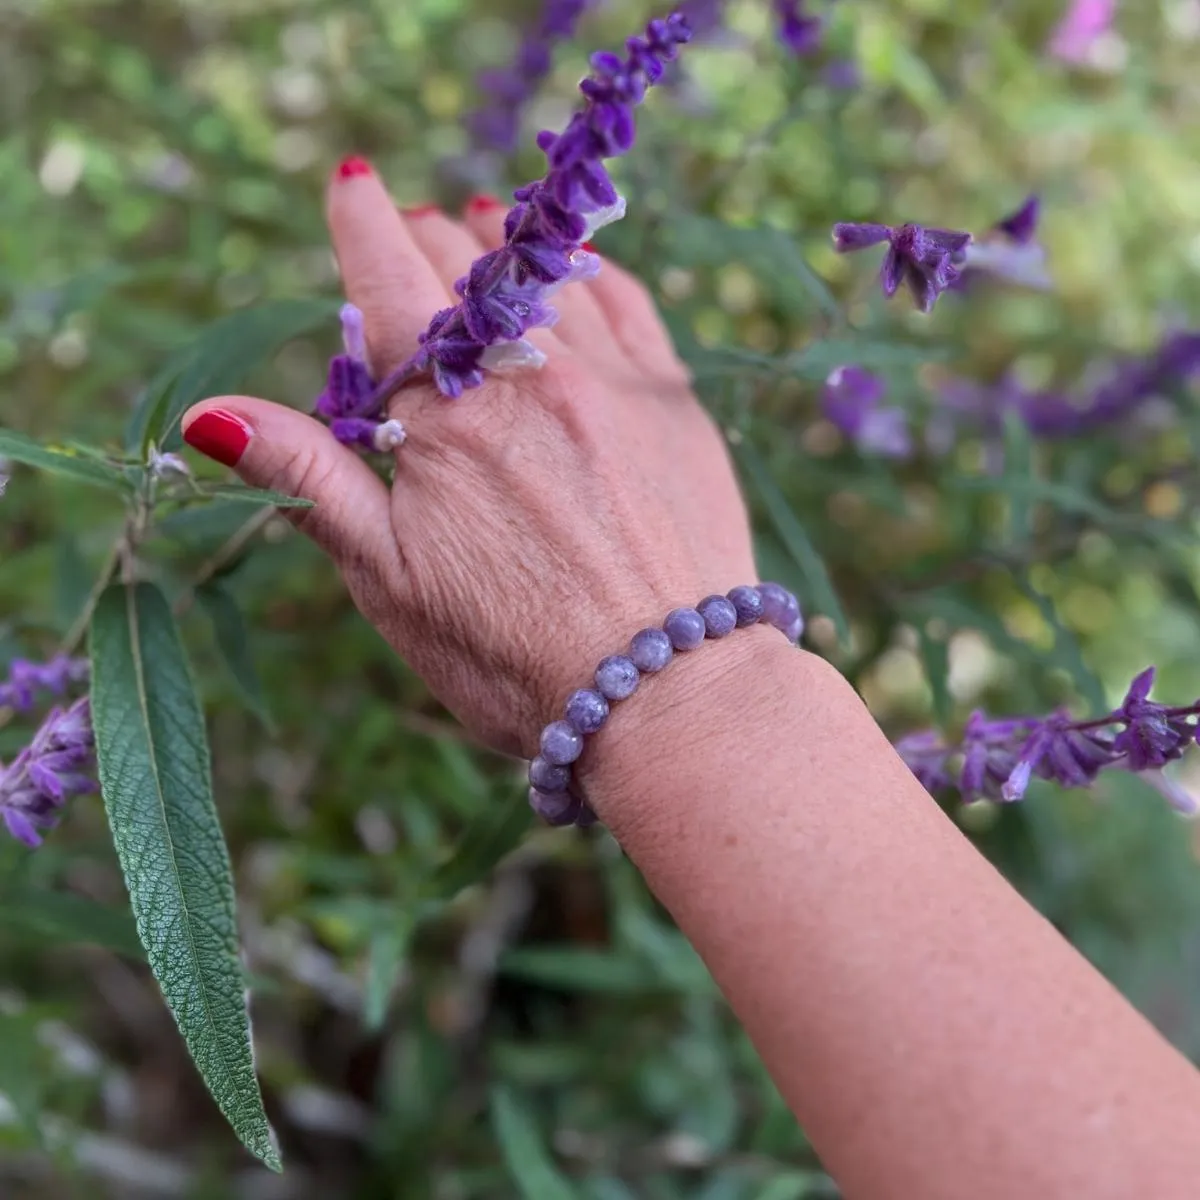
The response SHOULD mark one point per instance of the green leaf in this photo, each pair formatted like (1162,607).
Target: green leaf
(795,1185)
(493,834)
(63,460)
(935,658)
(577,970)
(816,360)
(21,1075)
(233,641)
(257,496)
(218,361)
(152,750)
(795,539)
(66,918)
(1067,653)
(386,955)
(529,1164)
(1018,469)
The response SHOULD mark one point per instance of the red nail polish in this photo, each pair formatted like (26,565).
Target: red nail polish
(220,435)
(352,168)
(420,210)
(482,204)
(590,247)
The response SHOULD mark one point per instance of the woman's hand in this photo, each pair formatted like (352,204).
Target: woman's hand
(533,525)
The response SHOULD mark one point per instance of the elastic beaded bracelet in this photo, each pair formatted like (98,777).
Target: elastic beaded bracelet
(553,793)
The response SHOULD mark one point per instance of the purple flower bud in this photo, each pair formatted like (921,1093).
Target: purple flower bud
(799,31)
(26,679)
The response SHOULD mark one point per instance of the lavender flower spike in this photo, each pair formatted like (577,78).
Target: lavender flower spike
(1009,250)
(55,766)
(26,679)
(923,259)
(999,758)
(504,294)
(799,31)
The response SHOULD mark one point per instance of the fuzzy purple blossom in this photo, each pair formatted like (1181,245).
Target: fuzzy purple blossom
(1082,25)
(852,401)
(925,260)
(57,765)
(496,125)
(996,759)
(27,679)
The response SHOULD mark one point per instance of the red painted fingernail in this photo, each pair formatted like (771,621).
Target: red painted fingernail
(482,204)
(220,435)
(352,168)
(420,210)
(590,247)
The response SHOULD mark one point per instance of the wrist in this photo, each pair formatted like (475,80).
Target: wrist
(714,705)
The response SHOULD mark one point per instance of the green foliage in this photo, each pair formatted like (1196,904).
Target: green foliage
(152,752)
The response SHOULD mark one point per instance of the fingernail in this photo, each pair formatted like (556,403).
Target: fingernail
(482,204)
(420,210)
(352,168)
(590,247)
(220,435)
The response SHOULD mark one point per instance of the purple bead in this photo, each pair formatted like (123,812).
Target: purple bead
(555,808)
(617,677)
(650,650)
(780,607)
(561,743)
(747,603)
(587,710)
(794,630)
(547,777)
(719,615)
(685,628)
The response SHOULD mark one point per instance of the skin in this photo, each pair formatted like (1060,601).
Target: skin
(935,1036)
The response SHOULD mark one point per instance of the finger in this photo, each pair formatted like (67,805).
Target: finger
(272,446)
(581,324)
(631,315)
(383,270)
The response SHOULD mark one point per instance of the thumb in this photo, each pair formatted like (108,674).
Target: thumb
(273,446)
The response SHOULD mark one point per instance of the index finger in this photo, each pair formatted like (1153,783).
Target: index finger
(384,272)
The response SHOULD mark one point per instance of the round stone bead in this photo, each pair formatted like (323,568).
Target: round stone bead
(685,628)
(794,630)
(561,743)
(748,603)
(547,777)
(720,617)
(555,808)
(780,607)
(587,710)
(617,677)
(650,650)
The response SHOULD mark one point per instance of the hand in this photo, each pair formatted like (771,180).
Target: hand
(532,526)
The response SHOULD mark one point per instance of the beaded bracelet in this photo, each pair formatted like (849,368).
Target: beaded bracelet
(553,794)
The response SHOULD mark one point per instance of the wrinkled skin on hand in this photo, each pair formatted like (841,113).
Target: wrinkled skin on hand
(532,526)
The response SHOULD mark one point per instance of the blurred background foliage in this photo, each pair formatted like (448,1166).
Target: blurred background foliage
(545,1031)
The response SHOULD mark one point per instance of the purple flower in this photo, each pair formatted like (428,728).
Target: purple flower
(1083,24)
(923,259)
(1009,250)
(497,123)
(999,757)
(55,766)
(1152,736)
(851,401)
(799,31)
(26,679)
(504,294)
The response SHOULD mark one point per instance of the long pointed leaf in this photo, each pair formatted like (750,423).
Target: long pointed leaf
(152,750)
(529,1164)
(62,460)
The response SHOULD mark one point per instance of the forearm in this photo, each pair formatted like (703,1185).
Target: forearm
(935,1036)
